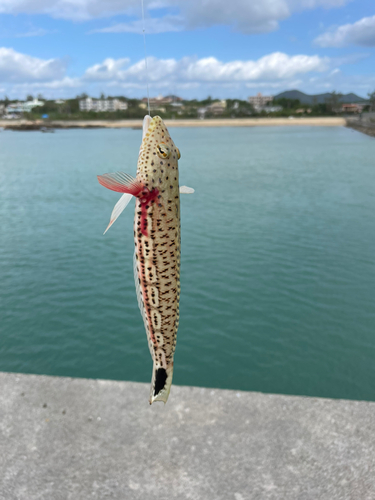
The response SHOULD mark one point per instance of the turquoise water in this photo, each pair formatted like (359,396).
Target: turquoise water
(278,263)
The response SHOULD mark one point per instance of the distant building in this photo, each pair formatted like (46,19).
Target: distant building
(201,113)
(352,108)
(160,100)
(270,109)
(153,107)
(300,111)
(259,100)
(15,108)
(29,105)
(215,109)
(90,104)
(173,98)
(23,106)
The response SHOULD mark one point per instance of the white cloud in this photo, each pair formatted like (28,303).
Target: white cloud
(243,15)
(109,69)
(276,66)
(360,33)
(192,77)
(247,16)
(35,32)
(17,67)
(341,82)
(255,16)
(152,26)
(25,70)
(64,83)
(188,75)
(76,10)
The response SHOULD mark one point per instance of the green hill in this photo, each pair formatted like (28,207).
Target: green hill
(318,98)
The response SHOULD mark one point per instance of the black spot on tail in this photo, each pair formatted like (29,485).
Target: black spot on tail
(160,379)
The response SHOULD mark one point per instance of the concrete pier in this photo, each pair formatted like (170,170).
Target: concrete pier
(77,439)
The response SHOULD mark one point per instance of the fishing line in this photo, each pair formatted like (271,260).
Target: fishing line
(144,43)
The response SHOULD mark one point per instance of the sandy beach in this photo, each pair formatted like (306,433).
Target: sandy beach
(244,122)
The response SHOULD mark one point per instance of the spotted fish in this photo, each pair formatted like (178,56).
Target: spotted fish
(157,244)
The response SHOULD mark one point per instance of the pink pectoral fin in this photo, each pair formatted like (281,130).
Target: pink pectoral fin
(120,182)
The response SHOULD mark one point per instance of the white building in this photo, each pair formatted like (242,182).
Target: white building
(23,107)
(90,104)
(160,100)
(259,100)
(216,108)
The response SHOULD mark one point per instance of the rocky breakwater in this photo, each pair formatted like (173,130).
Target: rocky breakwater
(364,123)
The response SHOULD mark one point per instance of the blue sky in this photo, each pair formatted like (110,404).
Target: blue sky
(196,48)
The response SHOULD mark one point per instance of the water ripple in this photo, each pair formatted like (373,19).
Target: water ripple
(278,268)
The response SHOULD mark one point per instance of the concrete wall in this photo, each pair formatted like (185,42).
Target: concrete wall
(76,439)
(364,123)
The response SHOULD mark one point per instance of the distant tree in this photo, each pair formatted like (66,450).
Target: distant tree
(333,102)
(40,97)
(82,96)
(371,98)
(133,103)
(320,109)
(287,103)
(29,97)
(6,99)
(72,105)
(102,96)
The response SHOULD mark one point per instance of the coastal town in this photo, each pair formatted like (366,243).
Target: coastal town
(289,103)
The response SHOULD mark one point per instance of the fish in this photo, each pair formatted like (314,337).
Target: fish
(157,238)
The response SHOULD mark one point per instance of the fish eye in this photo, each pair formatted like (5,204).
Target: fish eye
(163,150)
(178,153)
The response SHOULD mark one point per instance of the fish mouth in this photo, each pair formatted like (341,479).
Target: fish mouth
(149,124)
(146,125)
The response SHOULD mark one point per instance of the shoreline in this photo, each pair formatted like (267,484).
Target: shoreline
(243,122)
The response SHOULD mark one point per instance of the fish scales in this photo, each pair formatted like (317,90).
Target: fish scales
(157,251)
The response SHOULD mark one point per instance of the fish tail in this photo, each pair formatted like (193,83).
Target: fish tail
(161,383)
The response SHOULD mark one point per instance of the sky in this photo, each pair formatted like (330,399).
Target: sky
(195,48)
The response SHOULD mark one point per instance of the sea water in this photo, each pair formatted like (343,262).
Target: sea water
(277,269)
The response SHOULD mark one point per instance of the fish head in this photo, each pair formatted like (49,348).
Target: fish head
(158,156)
